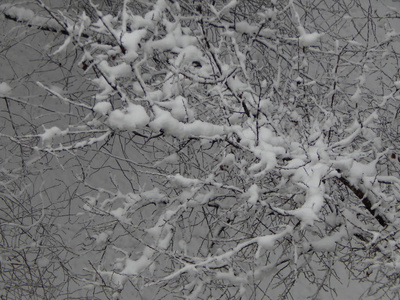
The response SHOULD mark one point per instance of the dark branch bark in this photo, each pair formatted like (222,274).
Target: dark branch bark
(382,220)
(41,27)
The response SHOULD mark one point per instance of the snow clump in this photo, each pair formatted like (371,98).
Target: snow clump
(132,117)
(102,107)
(5,89)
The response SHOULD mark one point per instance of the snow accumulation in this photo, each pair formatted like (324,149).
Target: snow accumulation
(5,89)
(102,237)
(305,39)
(309,177)
(134,267)
(131,41)
(153,195)
(267,242)
(29,16)
(179,109)
(174,40)
(115,72)
(129,118)
(188,55)
(309,39)
(329,243)
(165,121)
(181,181)
(92,140)
(228,6)
(252,192)
(102,108)
(105,88)
(359,171)
(244,27)
(268,148)
(51,133)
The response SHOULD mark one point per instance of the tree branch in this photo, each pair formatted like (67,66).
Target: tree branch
(382,220)
(41,27)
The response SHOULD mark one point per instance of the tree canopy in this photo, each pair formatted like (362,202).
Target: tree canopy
(177,149)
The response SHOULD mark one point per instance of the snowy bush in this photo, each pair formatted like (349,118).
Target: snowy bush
(200,150)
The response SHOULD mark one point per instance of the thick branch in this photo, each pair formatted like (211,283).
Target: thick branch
(366,201)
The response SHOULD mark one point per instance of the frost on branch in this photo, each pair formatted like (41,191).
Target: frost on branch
(227,149)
